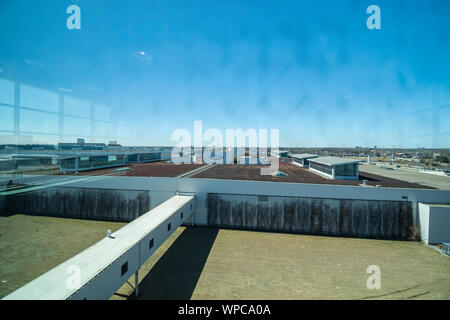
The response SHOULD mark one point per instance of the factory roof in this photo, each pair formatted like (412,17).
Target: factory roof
(333,161)
(304,155)
(279,151)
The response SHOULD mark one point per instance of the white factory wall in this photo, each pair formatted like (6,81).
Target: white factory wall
(105,284)
(158,197)
(434,223)
(201,210)
(297,163)
(163,188)
(283,189)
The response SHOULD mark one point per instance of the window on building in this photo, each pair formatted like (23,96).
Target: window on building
(321,167)
(346,170)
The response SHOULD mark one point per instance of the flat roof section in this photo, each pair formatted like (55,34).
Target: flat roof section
(431,180)
(333,161)
(148,169)
(297,174)
(304,156)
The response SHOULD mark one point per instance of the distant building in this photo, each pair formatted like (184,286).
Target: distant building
(166,152)
(279,153)
(336,168)
(16,161)
(113,143)
(302,159)
(93,161)
(81,145)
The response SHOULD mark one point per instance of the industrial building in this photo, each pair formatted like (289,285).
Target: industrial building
(20,161)
(335,168)
(230,157)
(156,207)
(92,161)
(143,157)
(81,145)
(159,208)
(302,159)
(69,161)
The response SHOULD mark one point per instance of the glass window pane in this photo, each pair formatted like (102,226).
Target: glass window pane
(104,130)
(6,118)
(77,107)
(39,122)
(6,91)
(102,112)
(37,98)
(76,127)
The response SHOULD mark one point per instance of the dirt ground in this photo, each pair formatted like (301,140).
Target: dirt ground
(298,175)
(211,263)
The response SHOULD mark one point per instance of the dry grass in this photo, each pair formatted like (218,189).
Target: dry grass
(32,245)
(211,263)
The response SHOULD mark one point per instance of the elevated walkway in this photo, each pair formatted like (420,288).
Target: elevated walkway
(97,272)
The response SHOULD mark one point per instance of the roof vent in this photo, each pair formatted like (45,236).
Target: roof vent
(279,174)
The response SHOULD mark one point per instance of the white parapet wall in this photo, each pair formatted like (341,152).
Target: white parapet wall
(297,163)
(434,223)
(284,189)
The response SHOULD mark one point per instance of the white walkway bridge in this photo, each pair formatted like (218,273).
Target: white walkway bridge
(100,270)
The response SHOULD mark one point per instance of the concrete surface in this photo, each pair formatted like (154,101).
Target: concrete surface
(434,181)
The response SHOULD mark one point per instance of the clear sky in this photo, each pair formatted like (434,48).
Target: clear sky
(309,68)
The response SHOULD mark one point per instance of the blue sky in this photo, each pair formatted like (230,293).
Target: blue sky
(309,68)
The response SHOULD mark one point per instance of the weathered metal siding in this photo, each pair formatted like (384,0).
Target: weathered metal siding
(290,214)
(98,204)
(340,217)
(250,214)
